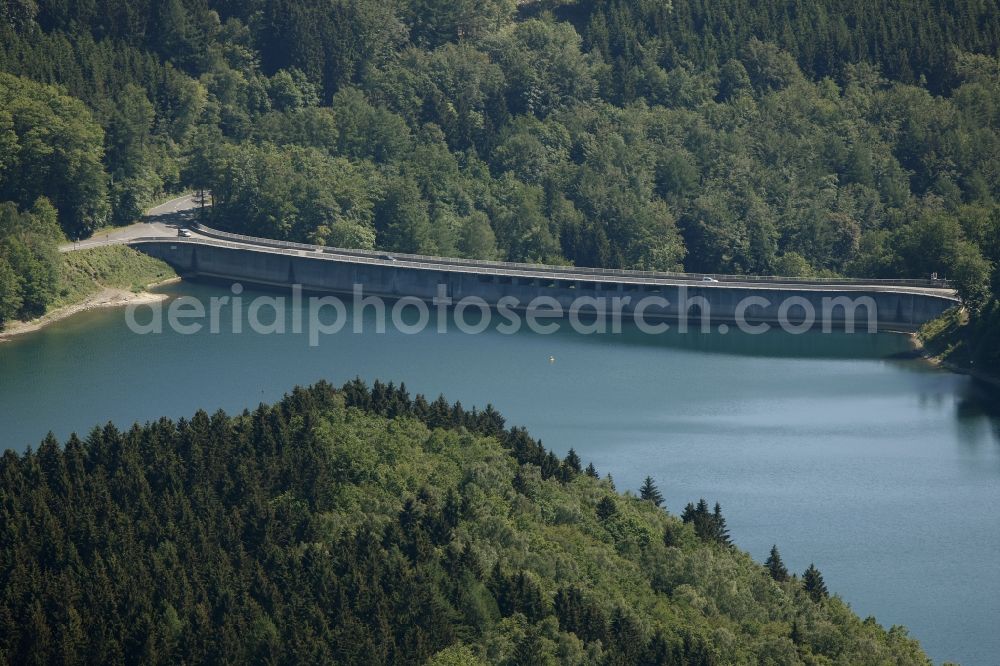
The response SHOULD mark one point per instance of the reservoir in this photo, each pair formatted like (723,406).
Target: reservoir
(881,470)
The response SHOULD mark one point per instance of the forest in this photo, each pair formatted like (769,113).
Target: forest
(363,525)
(360,524)
(850,138)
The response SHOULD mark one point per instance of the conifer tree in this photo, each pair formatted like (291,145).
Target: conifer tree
(530,650)
(421,409)
(606,508)
(775,566)
(650,492)
(550,465)
(719,529)
(812,582)
(493,422)
(592,471)
(626,636)
(572,461)
(457,415)
(708,525)
(440,413)
(521,484)
(451,513)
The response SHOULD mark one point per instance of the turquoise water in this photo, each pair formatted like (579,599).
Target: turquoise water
(884,472)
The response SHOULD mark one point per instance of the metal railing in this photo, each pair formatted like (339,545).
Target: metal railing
(426,260)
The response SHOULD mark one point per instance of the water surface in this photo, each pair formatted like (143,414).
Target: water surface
(884,472)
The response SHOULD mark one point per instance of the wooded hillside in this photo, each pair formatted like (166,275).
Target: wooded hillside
(366,526)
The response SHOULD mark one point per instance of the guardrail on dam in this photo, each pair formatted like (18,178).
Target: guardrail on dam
(899,305)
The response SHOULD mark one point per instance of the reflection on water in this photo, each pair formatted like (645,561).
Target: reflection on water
(979,399)
(836,447)
(977,414)
(772,344)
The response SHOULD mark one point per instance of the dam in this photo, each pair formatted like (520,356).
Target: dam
(895,305)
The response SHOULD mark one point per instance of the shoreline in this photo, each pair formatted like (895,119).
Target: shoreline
(107,297)
(936,361)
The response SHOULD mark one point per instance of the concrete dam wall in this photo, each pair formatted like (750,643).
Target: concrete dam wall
(897,306)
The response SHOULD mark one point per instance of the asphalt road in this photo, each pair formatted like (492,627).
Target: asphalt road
(160,221)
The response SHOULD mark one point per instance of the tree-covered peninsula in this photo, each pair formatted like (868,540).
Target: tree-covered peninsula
(365,526)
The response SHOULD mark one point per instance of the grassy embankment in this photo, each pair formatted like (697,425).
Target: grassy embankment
(964,343)
(89,272)
(97,278)
(85,273)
